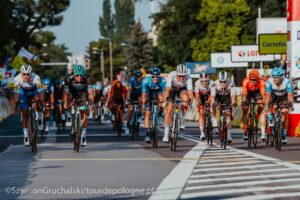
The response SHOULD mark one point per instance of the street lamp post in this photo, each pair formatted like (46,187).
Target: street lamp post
(110,56)
(96,50)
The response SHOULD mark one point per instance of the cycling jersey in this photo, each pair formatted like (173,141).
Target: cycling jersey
(58,93)
(136,86)
(280,91)
(117,92)
(247,87)
(153,89)
(78,90)
(204,92)
(34,83)
(48,92)
(106,90)
(229,90)
(173,83)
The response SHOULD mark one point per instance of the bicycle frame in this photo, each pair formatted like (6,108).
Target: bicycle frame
(252,125)
(223,126)
(207,125)
(133,124)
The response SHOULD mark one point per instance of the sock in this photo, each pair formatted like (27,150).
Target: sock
(201,129)
(284,131)
(25,131)
(147,131)
(83,134)
(167,128)
(263,130)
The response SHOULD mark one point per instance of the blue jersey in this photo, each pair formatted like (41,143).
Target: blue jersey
(136,87)
(282,90)
(48,91)
(151,88)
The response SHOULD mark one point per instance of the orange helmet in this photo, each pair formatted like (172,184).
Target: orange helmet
(254,75)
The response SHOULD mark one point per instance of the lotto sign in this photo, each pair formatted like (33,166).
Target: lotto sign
(248,53)
(223,60)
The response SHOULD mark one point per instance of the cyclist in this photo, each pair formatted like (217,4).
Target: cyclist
(58,95)
(153,88)
(116,95)
(280,90)
(253,87)
(48,100)
(179,84)
(78,87)
(223,92)
(134,94)
(27,86)
(98,92)
(202,96)
(106,88)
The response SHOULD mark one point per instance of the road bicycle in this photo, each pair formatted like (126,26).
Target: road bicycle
(207,129)
(134,122)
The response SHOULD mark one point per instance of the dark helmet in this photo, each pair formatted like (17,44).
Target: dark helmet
(138,73)
(155,71)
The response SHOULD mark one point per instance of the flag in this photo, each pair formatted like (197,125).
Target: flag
(26,54)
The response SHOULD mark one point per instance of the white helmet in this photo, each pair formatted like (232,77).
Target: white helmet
(182,70)
(223,76)
(203,76)
(26,69)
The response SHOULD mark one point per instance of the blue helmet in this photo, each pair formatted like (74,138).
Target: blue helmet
(155,71)
(46,81)
(138,73)
(277,71)
(58,82)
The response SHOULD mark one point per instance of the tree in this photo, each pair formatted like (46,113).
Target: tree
(124,19)
(29,15)
(106,22)
(140,52)
(225,20)
(177,26)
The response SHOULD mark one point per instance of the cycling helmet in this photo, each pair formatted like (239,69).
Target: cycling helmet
(253,74)
(223,76)
(277,71)
(79,70)
(26,69)
(46,81)
(155,71)
(181,70)
(203,76)
(58,82)
(138,73)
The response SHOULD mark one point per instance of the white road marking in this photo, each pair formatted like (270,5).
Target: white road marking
(246,183)
(244,178)
(267,196)
(172,184)
(254,171)
(239,167)
(235,191)
(224,156)
(232,163)
(228,160)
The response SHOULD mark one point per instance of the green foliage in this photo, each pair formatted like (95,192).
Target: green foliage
(177,26)
(124,19)
(140,52)
(225,20)
(106,22)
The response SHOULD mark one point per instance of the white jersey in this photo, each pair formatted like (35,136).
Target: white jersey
(33,82)
(228,90)
(106,90)
(199,88)
(173,83)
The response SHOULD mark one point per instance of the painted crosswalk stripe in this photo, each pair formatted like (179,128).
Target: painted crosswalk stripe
(244,178)
(247,183)
(254,171)
(232,163)
(237,167)
(228,160)
(236,191)
(267,196)
(224,156)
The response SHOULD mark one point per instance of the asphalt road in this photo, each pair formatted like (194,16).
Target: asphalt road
(110,167)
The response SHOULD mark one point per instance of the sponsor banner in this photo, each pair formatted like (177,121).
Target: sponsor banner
(248,53)
(223,60)
(272,43)
(293,10)
(270,25)
(200,67)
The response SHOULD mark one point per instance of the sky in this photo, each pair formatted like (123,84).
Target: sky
(80,24)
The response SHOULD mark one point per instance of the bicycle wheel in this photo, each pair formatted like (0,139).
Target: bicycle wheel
(32,131)
(99,114)
(279,139)
(175,136)
(255,134)
(78,132)
(119,123)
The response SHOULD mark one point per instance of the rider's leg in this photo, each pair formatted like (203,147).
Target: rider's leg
(129,114)
(285,121)
(201,122)
(84,126)
(24,114)
(184,97)
(147,125)
(47,118)
(245,120)
(168,112)
(228,125)
(261,115)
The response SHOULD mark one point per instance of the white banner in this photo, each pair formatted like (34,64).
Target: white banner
(248,53)
(294,49)
(271,25)
(220,60)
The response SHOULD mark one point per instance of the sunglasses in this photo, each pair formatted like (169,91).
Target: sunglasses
(78,76)
(24,74)
(181,76)
(222,81)
(155,76)
(204,81)
(253,80)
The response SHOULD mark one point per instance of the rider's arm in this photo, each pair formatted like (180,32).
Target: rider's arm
(268,95)
(289,90)
(167,92)
(129,92)
(124,93)
(245,89)
(66,91)
(197,95)
(109,95)
(212,95)
(90,91)
(145,90)
(233,95)
(190,89)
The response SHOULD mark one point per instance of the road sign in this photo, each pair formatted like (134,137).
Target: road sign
(272,43)
(248,53)
(223,60)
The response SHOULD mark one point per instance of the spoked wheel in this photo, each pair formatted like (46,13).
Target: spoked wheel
(154,137)
(279,135)
(77,138)
(32,132)
(223,136)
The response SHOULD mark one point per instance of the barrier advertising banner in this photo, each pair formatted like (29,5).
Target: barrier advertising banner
(248,53)
(223,60)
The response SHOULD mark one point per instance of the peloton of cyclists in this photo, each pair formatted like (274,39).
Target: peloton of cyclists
(48,101)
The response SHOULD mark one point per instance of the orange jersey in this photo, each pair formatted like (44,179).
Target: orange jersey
(117,92)
(248,87)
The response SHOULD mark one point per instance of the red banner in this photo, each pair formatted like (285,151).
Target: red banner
(293,10)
